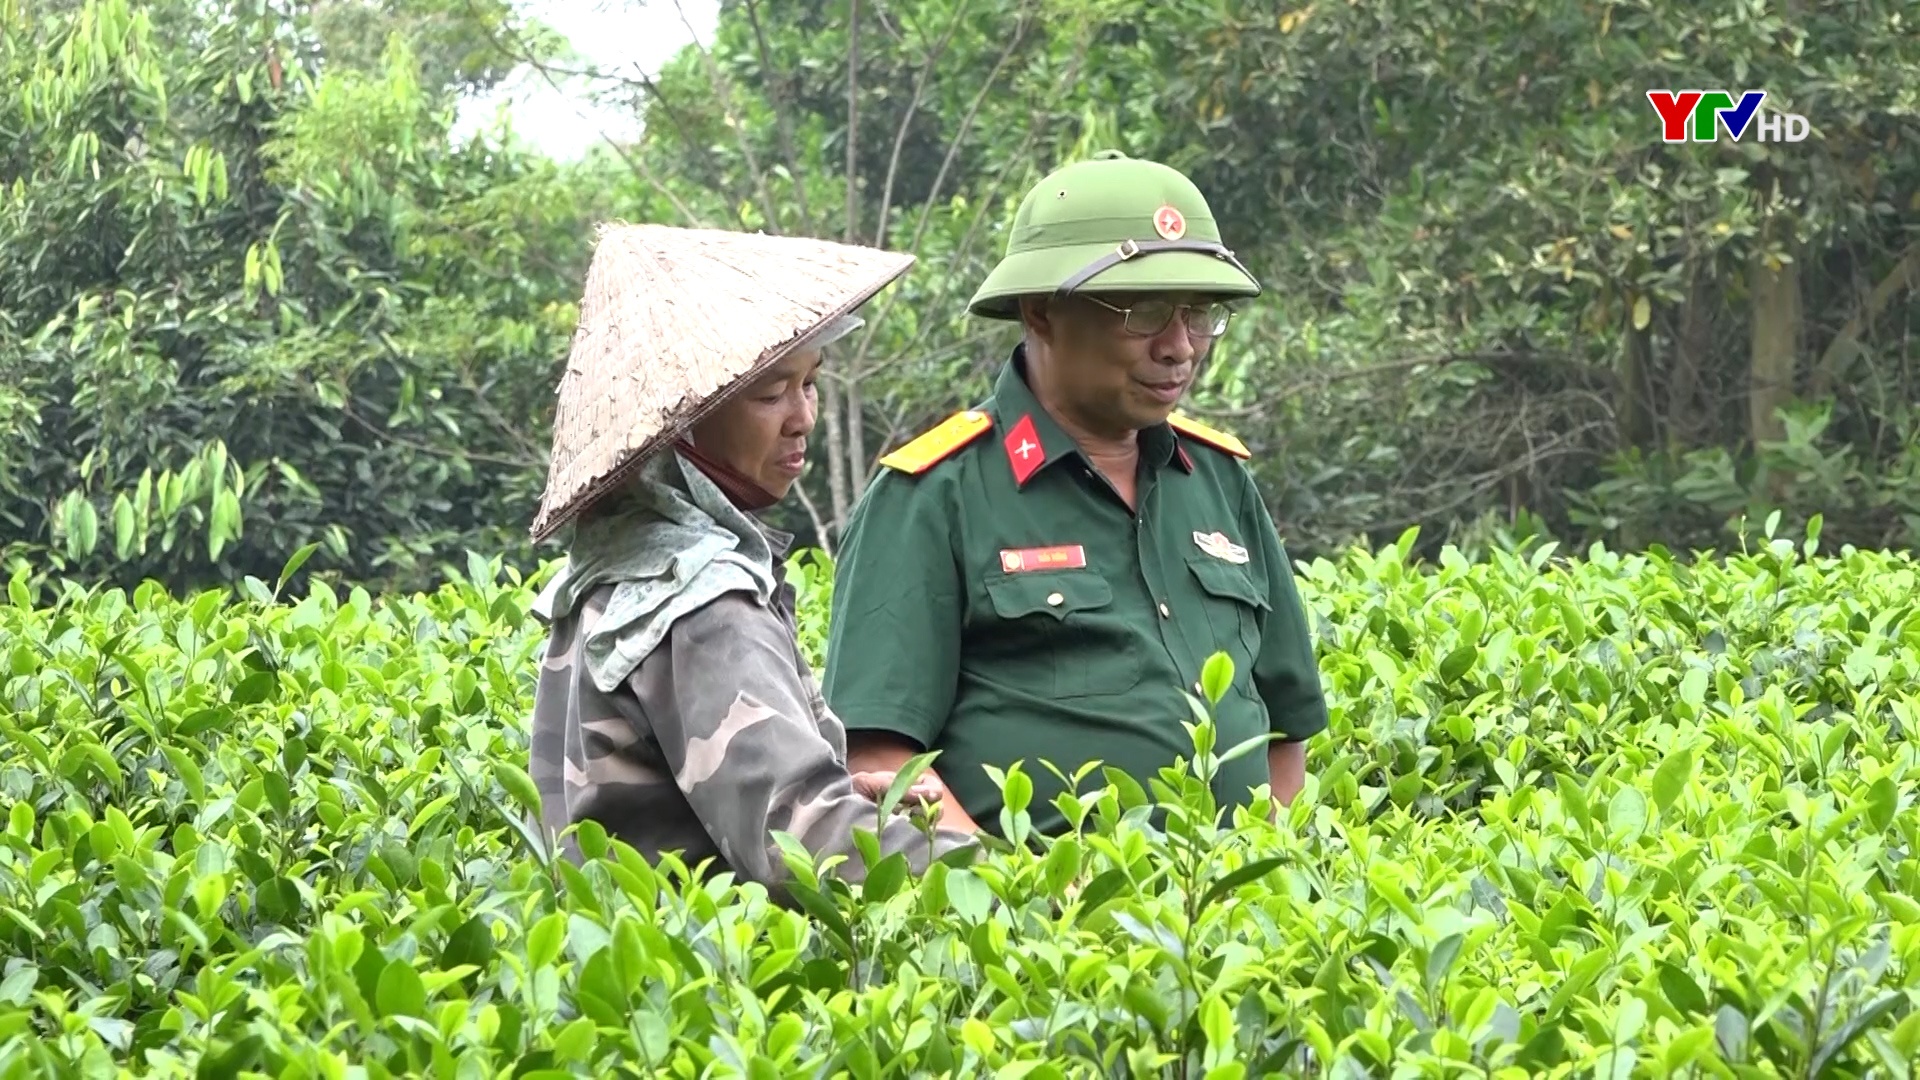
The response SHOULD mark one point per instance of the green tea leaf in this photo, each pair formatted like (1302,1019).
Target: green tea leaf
(294,564)
(1458,663)
(517,784)
(545,939)
(970,897)
(1440,960)
(125,524)
(255,688)
(17,987)
(1017,791)
(884,880)
(1671,778)
(1216,677)
(904,778)
(1883,802)
(1237,877)
(279,900)
(1730,1029)
(1681,990)
(1627,813)
(817,904)
(1573,799)
(401,993)
(1887,1004)
(1693,686)
(1103,889)
(470,944)
(1688,1048)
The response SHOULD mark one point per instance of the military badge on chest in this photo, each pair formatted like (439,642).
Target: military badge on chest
(1060,557)
(1217,545)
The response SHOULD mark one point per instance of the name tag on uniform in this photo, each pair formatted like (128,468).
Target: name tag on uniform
(1060,557)
(1217,545)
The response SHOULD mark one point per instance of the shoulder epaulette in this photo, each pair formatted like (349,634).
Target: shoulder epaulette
(939,442)
(1199,432)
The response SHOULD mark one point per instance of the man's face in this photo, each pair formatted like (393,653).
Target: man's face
(1119,362)
(762,432)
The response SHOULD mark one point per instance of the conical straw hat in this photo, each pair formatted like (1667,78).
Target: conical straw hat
(674,320)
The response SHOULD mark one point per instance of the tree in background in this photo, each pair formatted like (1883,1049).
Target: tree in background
(255,297)
(1497,301)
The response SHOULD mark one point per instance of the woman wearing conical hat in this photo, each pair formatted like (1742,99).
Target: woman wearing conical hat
(674,707)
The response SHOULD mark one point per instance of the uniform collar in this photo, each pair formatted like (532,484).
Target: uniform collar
(1031,440)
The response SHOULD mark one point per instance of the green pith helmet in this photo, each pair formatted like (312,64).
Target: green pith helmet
(1112,224)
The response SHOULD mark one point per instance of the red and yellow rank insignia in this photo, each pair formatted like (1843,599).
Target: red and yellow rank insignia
(939,442)
(1201,433)
(1059,557)
(1024,451)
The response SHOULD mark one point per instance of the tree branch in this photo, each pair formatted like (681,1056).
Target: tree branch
(1322,380)
(906,122)
(853,119)
(939,182)
(1905,274)
(966,123)
(719,80)
(820,534)
(504,428)
(836,390)
(456,455)
(783,122)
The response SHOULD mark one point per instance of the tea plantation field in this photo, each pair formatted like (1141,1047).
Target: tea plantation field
(1611,816)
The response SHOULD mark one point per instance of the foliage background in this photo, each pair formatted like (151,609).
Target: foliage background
(1614,816)
(1618,816)
(253,295)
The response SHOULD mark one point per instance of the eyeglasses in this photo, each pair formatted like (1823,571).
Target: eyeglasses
(1150,317)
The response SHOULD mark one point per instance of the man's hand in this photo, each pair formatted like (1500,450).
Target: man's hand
(1287,770)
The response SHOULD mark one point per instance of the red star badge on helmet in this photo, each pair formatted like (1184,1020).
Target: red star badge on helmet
(1169,224)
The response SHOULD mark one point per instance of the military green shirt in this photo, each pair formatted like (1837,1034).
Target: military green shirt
(1006,605)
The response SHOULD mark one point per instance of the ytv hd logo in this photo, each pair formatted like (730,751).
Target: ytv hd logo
(1709,109)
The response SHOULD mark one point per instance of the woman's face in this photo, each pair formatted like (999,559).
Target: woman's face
(762,433)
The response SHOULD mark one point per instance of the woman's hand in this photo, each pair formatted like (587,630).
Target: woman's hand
(874,762)
(926,790)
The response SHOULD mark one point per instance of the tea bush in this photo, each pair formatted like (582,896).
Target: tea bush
(1618,816)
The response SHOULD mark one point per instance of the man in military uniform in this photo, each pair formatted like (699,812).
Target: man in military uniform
(1042,577)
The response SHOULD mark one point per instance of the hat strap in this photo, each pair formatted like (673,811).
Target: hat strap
(1130,249)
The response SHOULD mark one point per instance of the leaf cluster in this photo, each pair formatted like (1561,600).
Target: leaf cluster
(1617,815)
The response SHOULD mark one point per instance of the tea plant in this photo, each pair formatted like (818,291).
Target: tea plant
(1619,816)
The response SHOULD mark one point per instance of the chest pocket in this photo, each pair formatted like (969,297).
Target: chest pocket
(1233,605)
(1059,633)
